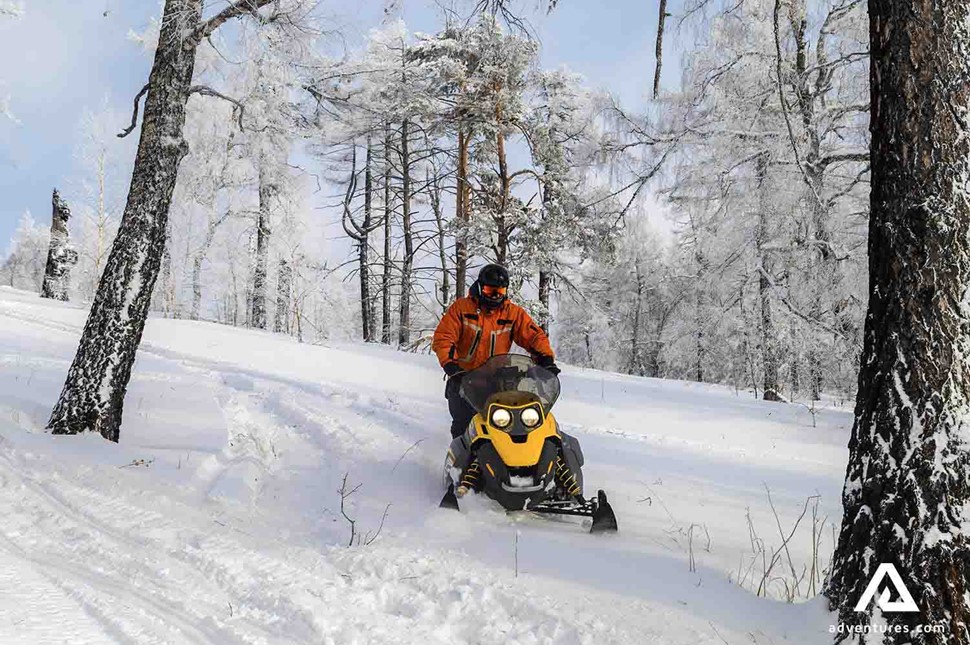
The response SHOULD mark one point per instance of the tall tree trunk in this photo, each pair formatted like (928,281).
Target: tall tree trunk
(388,263)
(769,337)
(61,257)
(821,267)
(164,300)
(363,248)
(268,191)
(199,260)
(651,363)
(545,287)
(907,489)
(101,229)
(284,289)
(505,191)
(404,331)
(93,395)
(824,271)
(746,343)
(699,337)
(794,374)
(462,208)
(636,361)
(435,194)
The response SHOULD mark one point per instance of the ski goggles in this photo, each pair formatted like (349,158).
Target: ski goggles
(493,292)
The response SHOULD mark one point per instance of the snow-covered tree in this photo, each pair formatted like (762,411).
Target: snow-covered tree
(61,255)
(93,395)
(26,259)
(97,193)
(564,136)
(906,495)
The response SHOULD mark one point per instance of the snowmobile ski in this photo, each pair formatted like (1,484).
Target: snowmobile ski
(450,500)
(598,509)
(604,519)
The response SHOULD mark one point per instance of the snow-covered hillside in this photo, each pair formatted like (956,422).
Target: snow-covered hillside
(217,518)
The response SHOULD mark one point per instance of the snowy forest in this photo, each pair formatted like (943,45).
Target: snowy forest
(336,190)
(766,223)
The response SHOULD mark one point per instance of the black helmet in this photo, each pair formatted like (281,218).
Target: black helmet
(492,275)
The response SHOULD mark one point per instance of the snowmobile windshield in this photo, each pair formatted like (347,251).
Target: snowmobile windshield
(510,379)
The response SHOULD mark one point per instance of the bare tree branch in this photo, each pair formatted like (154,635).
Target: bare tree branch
(844,156)
(659,51)
(134,114)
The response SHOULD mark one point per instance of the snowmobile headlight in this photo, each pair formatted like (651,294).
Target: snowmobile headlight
(530,417)
(501,418)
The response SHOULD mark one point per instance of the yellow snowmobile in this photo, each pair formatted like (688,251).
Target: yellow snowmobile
(513,449)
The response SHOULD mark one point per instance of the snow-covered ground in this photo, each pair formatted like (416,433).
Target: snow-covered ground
(217,518)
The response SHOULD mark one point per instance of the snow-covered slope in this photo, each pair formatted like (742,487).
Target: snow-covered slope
(217,519)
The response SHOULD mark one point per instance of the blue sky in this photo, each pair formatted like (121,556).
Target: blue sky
(65,56)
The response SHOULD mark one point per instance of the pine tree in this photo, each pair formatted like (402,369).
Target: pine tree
(907,487)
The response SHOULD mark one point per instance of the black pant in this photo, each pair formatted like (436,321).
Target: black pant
(461,411)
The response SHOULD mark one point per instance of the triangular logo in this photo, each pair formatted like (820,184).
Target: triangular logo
(905,603)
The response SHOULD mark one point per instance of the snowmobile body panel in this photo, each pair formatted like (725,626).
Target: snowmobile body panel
(517,445)
(518,488)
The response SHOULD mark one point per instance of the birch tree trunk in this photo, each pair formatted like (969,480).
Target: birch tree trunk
(101,228)
(61,257)
(435,195)
(699,338)
(284,289)
(388,264)
(907,488)
(268,191)
(363,248)
(462,207)
(505,191)
(93,395)
(199,260)
(636,360)
(769,337)
(404,331)
(163,300)
(545,289)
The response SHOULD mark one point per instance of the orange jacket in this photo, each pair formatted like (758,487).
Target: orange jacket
(469,335)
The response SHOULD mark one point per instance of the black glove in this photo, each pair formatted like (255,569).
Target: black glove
(452,368)
(549,363)
(454,375)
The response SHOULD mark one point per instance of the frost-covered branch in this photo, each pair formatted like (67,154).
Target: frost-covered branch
(234,10)
(208,91)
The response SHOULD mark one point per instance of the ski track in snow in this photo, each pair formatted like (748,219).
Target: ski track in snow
(232,532)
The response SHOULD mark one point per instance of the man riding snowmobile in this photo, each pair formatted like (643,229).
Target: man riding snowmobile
(481,325)
(506,443)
